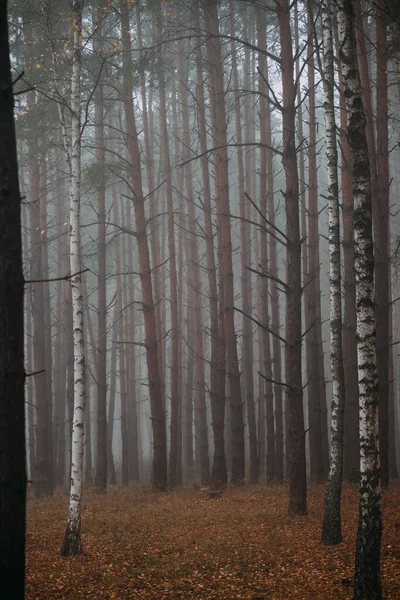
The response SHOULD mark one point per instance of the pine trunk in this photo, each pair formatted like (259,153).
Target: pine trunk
(101,371)
(297,475)
(219,476)
(159,476)
(219,128)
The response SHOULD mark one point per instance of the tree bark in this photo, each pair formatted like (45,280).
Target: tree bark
(380,212)
(316,388)
(351,448)
(331,526)
(273,463)
(297,475)
(72,539)
(12,373)
(175,431)
(248,383)
(219,476)
(43,483)
(159,476)
(219,128)
(194,280)
(101,371)
(367,569)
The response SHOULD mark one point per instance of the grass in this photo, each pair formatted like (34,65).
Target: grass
(180,545)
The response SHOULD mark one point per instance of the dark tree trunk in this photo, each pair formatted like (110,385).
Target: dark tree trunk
(43,475)
(48,353)
(12,374)
(195,282)
(133,426)
(248,383)
(219,128)
(159,477)
(175,430)
(219,476)
(316,389)
(101,358)
(297,476)
(111,400)
(121,350)
(266,190)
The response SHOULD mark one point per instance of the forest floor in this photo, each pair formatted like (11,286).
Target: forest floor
(181,545)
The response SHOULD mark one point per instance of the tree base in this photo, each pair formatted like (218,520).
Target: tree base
(71,545)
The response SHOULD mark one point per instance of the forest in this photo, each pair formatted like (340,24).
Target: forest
(199,299)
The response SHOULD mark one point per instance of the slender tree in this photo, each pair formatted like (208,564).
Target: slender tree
(72,539)
(101,371)
(219,475)
(219,129)
(153,366)
(331,527)
(248,383)
(380,211)
(297,475)
(367,569)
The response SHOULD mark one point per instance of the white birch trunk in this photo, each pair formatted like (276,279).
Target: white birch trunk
(72,539)
(367,585)
(331,527)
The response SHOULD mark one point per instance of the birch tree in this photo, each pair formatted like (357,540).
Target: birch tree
(367,584)
(72,539)
(331,528)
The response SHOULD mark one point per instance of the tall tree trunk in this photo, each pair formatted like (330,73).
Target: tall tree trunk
(194,280)
(266,189)
(367,569)
(297,476)
(30,429)
(331,527)
(155,388)
(192,459)
(12,373)
(149,136)
(219,474)
(245,263)
(380,210)
(351,449)
(48,353)
(219,128)
(101,371)
(88,459)
(133,428)
(120,310)
(60,366)
(28,330)
(175,439)
(111,399)
(316,389)
(393,472)
(72,539)
(43,476)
